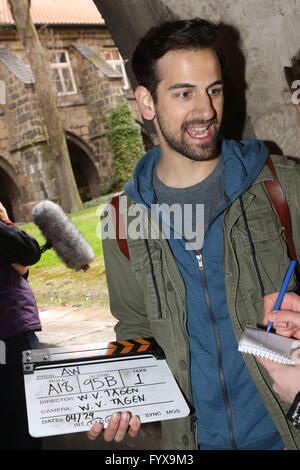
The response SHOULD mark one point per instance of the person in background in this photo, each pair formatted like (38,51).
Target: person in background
(19,319)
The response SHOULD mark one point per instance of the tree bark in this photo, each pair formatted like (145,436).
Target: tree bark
(45,93)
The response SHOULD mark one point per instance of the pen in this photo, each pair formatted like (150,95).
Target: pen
(282,290)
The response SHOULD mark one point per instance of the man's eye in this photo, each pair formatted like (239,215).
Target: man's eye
(183,94)
(215,91)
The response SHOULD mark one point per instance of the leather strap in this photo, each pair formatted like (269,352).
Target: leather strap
(281,207)
(119,225)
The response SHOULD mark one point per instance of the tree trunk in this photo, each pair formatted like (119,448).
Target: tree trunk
(45,94)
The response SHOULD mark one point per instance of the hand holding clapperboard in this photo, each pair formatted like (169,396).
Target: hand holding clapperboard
(70,389)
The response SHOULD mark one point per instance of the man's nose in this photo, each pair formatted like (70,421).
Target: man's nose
(203,107)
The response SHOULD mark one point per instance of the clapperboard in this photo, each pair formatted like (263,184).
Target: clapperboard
(69,389)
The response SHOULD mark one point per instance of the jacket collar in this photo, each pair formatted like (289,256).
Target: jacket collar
(244,162)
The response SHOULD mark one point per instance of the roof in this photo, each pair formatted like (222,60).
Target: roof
(57,12)
(23,71)
(98,62)
(16,66)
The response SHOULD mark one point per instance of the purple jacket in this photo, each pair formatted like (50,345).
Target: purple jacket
(19,312)
(18,309)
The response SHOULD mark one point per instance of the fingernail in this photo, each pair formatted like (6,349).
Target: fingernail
(281,325)
(97,427)
(125,416)
(115,417)
(273,316)
(134,420)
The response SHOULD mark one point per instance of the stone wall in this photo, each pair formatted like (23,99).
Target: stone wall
(100,95)
(24,148)
(262,37)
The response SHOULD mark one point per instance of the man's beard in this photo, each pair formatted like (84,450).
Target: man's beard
(196,152)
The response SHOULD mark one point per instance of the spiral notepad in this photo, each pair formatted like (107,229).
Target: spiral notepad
(269,345)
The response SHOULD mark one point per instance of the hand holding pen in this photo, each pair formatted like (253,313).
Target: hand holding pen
(282,291)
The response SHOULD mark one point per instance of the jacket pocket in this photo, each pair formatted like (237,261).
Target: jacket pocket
(270,251)
(149,272)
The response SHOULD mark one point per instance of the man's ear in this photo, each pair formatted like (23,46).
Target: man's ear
(145,102)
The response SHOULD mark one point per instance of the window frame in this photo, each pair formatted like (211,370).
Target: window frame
(59,66)
(115,62)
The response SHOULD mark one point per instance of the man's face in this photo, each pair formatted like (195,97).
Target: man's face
(189,106)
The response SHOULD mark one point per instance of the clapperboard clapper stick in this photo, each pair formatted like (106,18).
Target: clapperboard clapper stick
(68,389)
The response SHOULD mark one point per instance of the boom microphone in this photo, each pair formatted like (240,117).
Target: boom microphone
(62,235)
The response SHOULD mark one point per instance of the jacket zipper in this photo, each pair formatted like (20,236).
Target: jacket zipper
(221,372)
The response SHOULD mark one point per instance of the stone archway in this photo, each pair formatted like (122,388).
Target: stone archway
(10,195)
(84,169)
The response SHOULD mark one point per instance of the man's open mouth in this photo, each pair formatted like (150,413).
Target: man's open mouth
(198,132)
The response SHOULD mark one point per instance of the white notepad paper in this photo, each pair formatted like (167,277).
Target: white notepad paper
(270,345)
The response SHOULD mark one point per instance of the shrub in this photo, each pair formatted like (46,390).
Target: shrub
(126,143)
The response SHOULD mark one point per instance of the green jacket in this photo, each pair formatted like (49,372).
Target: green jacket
(133,299)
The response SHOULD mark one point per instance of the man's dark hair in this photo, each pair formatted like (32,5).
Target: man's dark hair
(173,35)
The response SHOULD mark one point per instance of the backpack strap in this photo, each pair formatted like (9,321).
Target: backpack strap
(281,207)
(119,225)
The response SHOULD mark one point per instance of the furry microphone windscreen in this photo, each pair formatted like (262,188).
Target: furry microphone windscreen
(65,238)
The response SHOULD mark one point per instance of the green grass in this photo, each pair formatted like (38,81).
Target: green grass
(54,284)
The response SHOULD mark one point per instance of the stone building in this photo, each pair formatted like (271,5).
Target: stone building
(90,78)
